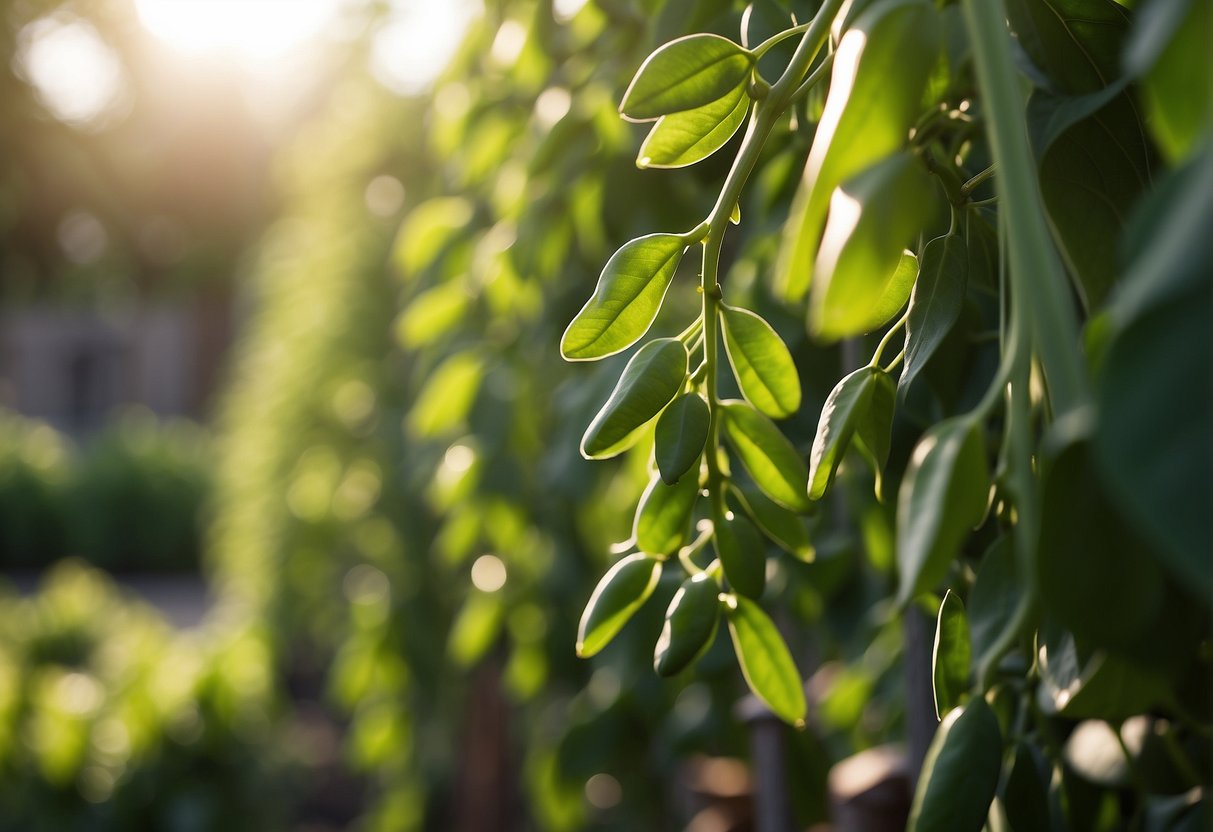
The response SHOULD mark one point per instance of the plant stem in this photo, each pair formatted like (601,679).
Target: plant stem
(888,336)
(969,186)
(1036,271)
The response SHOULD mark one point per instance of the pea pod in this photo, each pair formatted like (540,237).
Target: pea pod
(690,624)
(622,591)
(649,382)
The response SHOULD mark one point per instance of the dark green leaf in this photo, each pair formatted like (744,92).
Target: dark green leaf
(765,660)
(681,433)
(880,70)
(960,773)
(1178,89)
(785,528)
(936,301)
(1077,42)
(840,416)
(1025,797)
(1081,684)
(995,596)
(951,656)
(652,378)
(681,139)
(742,553)
(663,517)
(874,431)
(863,276)
(684,74)
(690,625)
(767,455)
(943,495)
(622,590)
(627,299)
(761,362)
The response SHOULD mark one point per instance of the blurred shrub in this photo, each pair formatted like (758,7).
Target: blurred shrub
(131,500)
(109,720)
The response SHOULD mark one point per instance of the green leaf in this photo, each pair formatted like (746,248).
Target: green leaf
(429,230)
(767,455)
(862,277)
(663,517)
(1077,42)
(761,363)
(652,378)
(622,591)
(840,415)
(765,660)
(951,655)
(960,773)
(690,625)
(880,69)
(785,528)
(1025,796)
(1178,88)
(681,139)
(1085,684)
(685,74)
(994,598)
(682,431)
(943,495)
(626,300)
(742,553)
(444,402)
(936,301)
(874,431)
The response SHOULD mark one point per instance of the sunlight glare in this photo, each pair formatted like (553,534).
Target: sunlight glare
(256,31)
(78,77)
(418,40)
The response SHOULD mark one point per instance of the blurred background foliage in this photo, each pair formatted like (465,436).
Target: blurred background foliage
(388,503)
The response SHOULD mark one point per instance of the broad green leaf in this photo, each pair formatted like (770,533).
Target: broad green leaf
(951,655)
(690,625)
(445,400)
(652,379)
(684,74)
(428,230)
(1025,795)
(880,70)
(765,660)
(936,301)
(1085,684)
(1078,43)
(663,517)
(622,591)
(626,300)
(681,139)
(942,497)
(960,773)
(874,431)
(1178,88)
(994,598)
(1095,574)
(742,553)
(785,528)
(840,415)
(761,363)
(862,278)
(682,431)
(767,455)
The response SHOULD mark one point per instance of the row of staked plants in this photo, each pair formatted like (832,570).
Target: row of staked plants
(1013,198)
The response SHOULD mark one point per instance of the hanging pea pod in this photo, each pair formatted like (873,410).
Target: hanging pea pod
(685,74)
(663,517)
(880,69)
(863,275)
(626,300)
(649,382)
(761,363)
(960,773)
(622,591)
(690,625)
(771,460)
(682,431)
(742,553)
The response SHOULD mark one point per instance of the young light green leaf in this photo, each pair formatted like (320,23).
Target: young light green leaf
(880,69)
(767,455)
(663,517)
(626,300)
(681,139)
(765,660)
(951,656)
(649,382)
(785,528)
(862,276)
(840,415)
(874,430)
(682,431)
(761,362)
(936,301)
(622,591)
(960,773)
(942,497)
(684,74)
(690,625)
(742,553)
